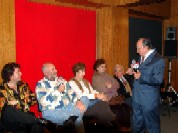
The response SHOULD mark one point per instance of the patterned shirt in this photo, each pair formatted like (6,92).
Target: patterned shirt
(50,98)
(23,95)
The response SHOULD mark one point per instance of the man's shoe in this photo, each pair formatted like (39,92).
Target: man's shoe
(48,124)
(70,122)
(73,118)
(42,121)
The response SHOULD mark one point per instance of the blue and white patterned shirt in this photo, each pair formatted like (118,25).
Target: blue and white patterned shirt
(49,98)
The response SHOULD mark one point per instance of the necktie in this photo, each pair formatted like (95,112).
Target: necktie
(142,59)
(127,86)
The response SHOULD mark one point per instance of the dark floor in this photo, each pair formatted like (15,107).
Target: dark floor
(94,126)
(169,123)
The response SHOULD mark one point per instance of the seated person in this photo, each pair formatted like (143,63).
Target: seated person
(56,100)
(125,81)
(103,82)
(15,101)
(83,88)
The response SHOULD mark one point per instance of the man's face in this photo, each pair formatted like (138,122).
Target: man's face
(101,68)
(141,50)
(119,72)
(51,72)
(16,75)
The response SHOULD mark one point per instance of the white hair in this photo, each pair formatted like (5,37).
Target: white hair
(118,66)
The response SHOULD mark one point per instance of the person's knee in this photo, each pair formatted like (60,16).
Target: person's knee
(85,101)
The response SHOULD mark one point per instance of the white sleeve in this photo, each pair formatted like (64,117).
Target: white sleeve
(79,92)
(92,90)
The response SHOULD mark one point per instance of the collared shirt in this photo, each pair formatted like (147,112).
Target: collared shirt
(50,98)
(126,85)
(148,53)
(122,79)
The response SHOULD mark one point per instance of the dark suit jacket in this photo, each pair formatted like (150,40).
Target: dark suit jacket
(122,89)
(146,90)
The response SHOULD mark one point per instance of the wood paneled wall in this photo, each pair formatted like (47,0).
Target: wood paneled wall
(112,36)
(7,32)
(112,32)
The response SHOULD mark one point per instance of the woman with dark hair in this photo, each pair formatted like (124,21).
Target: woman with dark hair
(98,105)
(102,81)
(15,101)
(85,88)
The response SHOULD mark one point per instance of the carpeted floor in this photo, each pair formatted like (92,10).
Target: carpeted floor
(169,124)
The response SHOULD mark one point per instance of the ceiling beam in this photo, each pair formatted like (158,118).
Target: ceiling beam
(114,2)
(99,3)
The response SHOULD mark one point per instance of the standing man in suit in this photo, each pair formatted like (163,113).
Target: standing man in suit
(146,88)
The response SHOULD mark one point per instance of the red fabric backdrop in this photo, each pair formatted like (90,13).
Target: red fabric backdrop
(48,33)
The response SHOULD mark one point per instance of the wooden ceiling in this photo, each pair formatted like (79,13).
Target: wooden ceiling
(99,3)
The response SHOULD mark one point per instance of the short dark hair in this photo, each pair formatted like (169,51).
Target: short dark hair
(8,71)
(98,62)
(78,66)
(147,42)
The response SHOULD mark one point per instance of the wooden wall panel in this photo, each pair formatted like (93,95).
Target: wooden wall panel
(114,2)
(112,36)
(173,21)
(7,32)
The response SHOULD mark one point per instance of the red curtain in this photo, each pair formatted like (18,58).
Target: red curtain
(60,35)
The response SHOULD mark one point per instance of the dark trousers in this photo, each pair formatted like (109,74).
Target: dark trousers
(145,118)
(2,128)
(15,120)
(102,110)
(122,112)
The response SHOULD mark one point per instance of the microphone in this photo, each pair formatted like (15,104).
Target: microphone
(134,65)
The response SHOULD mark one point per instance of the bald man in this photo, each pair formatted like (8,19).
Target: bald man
(146,88)
(56,99)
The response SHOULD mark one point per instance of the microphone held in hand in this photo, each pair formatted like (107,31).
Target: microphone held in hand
(134,65)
